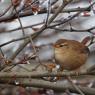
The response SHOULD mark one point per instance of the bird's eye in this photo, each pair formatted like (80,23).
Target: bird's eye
(62,45)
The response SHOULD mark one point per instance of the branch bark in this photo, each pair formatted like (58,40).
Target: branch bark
(29,13)
(50,85)
(40,74)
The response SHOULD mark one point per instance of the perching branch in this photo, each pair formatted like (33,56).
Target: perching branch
(50,85)
(40,75)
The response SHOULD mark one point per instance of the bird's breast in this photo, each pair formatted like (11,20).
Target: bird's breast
(70,60)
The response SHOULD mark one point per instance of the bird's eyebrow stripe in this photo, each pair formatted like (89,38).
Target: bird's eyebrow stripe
(64,44)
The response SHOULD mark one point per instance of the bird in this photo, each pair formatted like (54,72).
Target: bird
(70,54)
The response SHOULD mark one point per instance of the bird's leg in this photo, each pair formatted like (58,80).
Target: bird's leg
(53,68)
(50,66)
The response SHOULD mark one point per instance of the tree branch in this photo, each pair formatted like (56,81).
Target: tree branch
(40,75)
(50,85)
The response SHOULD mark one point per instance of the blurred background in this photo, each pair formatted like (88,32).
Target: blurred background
(11,29)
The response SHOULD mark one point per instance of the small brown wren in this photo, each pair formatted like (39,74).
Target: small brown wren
(70,54)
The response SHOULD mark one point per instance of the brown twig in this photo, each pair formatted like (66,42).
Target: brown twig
(41,74)
(18,19)
(74,85)
(74,30)
(48,12)
(14,16)
(50,85)
(5,11)
(30,26)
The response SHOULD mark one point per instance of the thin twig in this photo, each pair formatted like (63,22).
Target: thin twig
(18,19)
(73,30)
(14,40)
(65,20)
(30,26)
(74,85)
(14,16)
(1,51)
(48,12)
(35,52)
(5,11)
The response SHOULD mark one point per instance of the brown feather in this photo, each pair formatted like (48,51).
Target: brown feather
(70,54)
